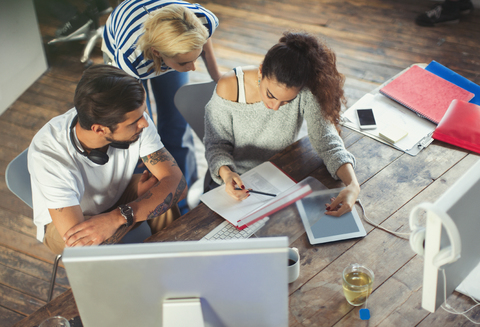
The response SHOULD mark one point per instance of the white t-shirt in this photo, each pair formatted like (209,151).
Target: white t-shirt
(62,177)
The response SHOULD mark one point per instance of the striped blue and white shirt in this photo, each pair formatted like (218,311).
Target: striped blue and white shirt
(125,26)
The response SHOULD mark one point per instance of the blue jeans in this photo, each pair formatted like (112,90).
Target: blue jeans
(174,131)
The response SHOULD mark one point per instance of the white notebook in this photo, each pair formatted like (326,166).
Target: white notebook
(266,177)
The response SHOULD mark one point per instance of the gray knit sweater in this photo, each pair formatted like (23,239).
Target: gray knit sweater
(243,136)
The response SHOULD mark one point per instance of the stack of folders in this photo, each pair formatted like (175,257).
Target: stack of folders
(425,93)
(444,97)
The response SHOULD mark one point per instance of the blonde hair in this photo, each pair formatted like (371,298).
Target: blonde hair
(171,30)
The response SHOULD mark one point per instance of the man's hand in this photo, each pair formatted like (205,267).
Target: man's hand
(95,230)
(146,182)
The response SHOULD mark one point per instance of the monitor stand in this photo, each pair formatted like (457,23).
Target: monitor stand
(182,312)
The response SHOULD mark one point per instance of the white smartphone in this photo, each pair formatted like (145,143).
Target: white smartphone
(366,119)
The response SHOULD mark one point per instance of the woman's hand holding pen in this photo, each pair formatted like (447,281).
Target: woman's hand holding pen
(232,180)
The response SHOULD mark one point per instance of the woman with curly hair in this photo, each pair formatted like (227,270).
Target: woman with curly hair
(256,112)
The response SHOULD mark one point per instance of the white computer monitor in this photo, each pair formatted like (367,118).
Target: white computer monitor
(231,283)
(450,239)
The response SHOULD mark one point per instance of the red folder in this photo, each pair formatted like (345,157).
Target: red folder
(460,126)
(425,93)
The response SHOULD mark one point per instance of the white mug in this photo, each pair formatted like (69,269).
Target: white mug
(293,264)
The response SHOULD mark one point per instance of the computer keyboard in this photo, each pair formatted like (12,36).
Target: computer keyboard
(226,231)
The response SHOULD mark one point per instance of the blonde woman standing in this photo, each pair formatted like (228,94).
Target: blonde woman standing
(161,41)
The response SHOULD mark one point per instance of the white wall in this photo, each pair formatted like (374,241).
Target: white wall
(22,57)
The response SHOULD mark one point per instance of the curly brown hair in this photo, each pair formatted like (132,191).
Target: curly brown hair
(300,59)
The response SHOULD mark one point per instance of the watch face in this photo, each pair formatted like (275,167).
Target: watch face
(127,212)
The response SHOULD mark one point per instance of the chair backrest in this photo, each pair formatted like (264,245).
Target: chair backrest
(190,100)
(17,178)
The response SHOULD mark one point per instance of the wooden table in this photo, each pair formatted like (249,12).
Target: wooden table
(392,184)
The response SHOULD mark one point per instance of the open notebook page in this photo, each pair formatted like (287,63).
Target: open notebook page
(266,177)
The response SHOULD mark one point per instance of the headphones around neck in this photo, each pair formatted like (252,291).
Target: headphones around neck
(446,255)
(95,155)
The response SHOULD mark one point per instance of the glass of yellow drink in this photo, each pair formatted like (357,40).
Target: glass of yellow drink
(357,283)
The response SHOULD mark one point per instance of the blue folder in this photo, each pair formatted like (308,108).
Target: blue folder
(449,75)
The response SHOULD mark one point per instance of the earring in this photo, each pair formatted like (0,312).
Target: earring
(259,82)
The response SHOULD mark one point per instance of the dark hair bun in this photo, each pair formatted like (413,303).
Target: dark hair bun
(301,59)
(301,42)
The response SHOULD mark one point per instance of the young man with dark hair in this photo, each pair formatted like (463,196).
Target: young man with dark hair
(82,165)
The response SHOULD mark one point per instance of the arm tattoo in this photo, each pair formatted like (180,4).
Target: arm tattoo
(117,236)
(169,201)
(146,195)
(161,208)
(159,156)
(59,209)
(180,188)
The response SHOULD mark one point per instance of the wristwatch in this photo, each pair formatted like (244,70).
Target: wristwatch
(127,213)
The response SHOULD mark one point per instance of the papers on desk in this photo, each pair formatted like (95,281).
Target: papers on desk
(387,113)
(266,177)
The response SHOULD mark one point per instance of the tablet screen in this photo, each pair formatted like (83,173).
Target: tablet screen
(322,228)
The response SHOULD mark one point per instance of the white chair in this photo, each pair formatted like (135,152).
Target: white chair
(18,181)
(191,100)
(18,178)
(92,36)
(92,33)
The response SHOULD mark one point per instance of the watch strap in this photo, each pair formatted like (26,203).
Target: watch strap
(127,212)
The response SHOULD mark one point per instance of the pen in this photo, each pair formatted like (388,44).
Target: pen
(257,192)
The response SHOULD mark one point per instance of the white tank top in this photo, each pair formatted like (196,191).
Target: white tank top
(241,85)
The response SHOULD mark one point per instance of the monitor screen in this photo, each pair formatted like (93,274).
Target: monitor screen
(452,222)
(236,282)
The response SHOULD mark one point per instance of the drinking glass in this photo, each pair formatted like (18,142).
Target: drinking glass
(357,283)
(55,321)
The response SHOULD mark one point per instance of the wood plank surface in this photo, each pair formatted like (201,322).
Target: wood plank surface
(373,41)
